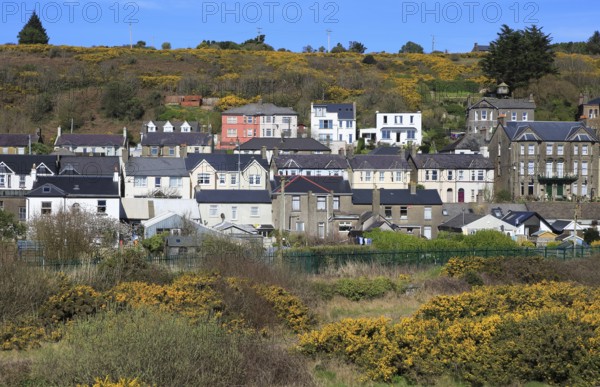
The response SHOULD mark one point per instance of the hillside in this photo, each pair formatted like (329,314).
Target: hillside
(103,89)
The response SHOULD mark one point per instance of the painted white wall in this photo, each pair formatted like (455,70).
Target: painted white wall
(34,205)
(244,213)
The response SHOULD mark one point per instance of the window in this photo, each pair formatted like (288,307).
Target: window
(560,169)
(234,213)
(412,119)
(320,112)
(267,119)
(427,213)
(250,133)
(175,182)
(213,211)
(153,151)
(584,150)
(483,115)
(575,167)
(385,119)
(336,203)
(248,119)
(171,151)
(480,175)
(321,230)
(349,125)
(295,203)
(268,132)
(521,168)
(522,150)
(22,213)
(584,168)
(368,176)
(397,119)
(472,175)
(231,132)
(233,179)
(254,179)
(461,175)
(410,134)
(325,124)
(549,149)
(299,226)
(549,168)
(385,134)
(140,181)
(2,180)
(381,177)
(472,195)
(398,176)
(46,208)
(560,149)
(388,211)
(340,124)
(1,204)
(403,212)
(254,212)
(157,182)
(22,181)
(530,168)
(513,116)
(530,188)
(231,120)
(222,179)
(450,175)
(345,226)
(101,208)
(576,149)
(427,232)
(286,120)
(321,203)
(524,116)
(203,178)
(531,149)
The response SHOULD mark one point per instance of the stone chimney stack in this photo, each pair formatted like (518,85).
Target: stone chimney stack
(376,202)
(263,152)
(413,188)
(34,173)
(580,102)
(116,175)
(183,151)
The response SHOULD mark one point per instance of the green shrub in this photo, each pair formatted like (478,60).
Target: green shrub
(129,265)
(361,288)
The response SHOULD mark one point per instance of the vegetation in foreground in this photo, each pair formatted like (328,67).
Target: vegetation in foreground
(477,321)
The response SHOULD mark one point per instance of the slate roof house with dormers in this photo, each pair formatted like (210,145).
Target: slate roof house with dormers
(482,116)
(309,165)
(458,178)
(269,147)
(157,177)
(92,144)
(221,171)
(369,171)
(18,144)
(545,160)
(176,144)
(171,127)
(317,206)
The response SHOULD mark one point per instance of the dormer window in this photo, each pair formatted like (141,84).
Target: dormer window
(46,189)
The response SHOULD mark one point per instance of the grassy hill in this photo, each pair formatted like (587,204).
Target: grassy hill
(103,89)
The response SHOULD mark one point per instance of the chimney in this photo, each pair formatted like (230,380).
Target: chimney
(580,99)
(413,150)
(376,202)
(402,153)
(38,133)
(531,98)
(116,175)
(125,155)
(413,188)
(275,152)
(59,132)
(183,150)
(263,152)
(502,119)
(34,173)
(124,132)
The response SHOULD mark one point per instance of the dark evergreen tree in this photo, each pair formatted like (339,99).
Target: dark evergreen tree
(33,32)
(338,48)
(517,57)
(357,47)
(411,47)
(593,43)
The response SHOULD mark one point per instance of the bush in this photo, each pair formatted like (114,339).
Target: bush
(127,266)
(357,289)
(163,350)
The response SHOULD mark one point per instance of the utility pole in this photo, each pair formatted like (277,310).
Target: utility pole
(130,37)
(329,40)
(432,43)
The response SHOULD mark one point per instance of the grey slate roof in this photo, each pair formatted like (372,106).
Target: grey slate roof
(455,224)
(260,109)
(22,164)
(75,186)
(176,139)
(595,101)
(156,166)
(223,161)
(566,210)
(470,141)
(285,145)
(550,130)
(89,166)
(397,197)
(319,161)
(16,140)
(451,161)
(315,184)
(234,196)
(69,139)
(373,162)
(345,111)
(385,151)
(504,103)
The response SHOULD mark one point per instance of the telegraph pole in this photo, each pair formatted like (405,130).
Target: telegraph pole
(329,40)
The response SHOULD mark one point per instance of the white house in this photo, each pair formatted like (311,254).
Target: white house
(245,207)
(95,144)
(386,171)
(331,123)
(156,177)
(227,172)
(168,126)
(395,129)
(490,222)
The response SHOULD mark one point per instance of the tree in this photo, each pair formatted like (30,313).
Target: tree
(369,59)
(590,235)
(119,101)
(338,48)
(357,47)
(10,228)
(593,43)
(166,46)
(411,48)
(33,32)
(140,44)
(308,49)
(517,57)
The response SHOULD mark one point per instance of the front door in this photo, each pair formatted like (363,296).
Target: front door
(549,191)
(559,190)
(461,195)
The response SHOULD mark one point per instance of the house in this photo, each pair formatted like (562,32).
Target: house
(175,224)
(333,122)
(317,206)
(18,144)
(545,160)
(483,115)
(458,222)
(390,172)
(468,144)
(490,222)
(527,223)
(241,207)
(227,172)
(586,213)
(458,178)
(267,147)
(184,100)
(399,129)
(480,48)
(157,177)
(411,211)
(136,210)
(176,245)
(175,144)
(92,144)
(88,166)
(387,151)
(309,165)
(51,194)
(589,110)
(542,238)
(171,127)
(257,120)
